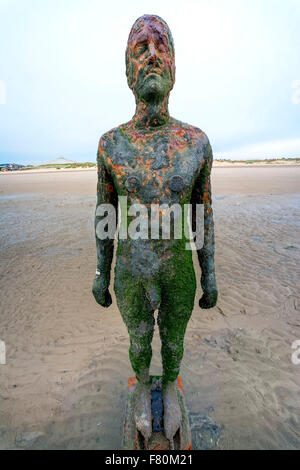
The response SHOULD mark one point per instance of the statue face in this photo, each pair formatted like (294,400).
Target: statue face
(150,60)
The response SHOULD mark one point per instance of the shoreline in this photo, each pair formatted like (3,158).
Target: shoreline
(216,165)
(265,179)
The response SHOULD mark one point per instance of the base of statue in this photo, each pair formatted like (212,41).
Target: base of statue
(133,439)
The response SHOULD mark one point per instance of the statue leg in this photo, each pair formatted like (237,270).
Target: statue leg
(138,317)
(178,296)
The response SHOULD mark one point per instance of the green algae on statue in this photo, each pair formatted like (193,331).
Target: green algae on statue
(155,159)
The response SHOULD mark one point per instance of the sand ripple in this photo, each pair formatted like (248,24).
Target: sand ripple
(65,382)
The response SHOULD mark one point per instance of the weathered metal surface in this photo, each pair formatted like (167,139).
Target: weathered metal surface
(155,159)
(132,439)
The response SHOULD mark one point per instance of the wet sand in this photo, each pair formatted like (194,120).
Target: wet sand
(65,381)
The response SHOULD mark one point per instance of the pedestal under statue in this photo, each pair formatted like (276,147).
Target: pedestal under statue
(154,160)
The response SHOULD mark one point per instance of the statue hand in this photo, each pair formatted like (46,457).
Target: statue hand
(209,299)
(101,292)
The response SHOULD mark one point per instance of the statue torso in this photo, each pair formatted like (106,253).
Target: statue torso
(154,166)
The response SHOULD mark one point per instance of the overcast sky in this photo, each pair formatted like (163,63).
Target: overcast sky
(63,84)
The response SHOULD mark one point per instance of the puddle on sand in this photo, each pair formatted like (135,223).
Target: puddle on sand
(205,432)
(9,197)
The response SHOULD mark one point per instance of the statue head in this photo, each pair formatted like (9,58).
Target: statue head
(150,59)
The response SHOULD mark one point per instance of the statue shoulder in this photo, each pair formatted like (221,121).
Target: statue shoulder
(195,134)
(106,144)
(110,138)
(198,140)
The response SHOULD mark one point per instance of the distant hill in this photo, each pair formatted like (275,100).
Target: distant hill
(60,161)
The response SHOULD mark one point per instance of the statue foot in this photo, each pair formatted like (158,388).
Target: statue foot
(172,412)
(142,410)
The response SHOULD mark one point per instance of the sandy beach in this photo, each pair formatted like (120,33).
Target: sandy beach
(64,384)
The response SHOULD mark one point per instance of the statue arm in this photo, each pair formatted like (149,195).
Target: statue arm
(202,195)
(106,194)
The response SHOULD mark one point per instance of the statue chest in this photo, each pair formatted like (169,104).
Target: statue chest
(159,170)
